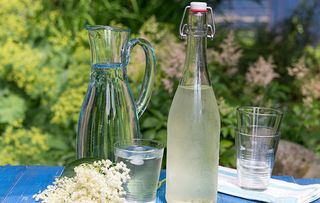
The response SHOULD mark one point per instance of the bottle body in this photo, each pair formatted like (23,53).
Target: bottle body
(193,146)
(194,122)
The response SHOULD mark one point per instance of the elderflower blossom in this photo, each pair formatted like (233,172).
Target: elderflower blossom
(171,58)
(229,55)
(309,80)
(262,72)
(299,69)
(311,90)
(98,182)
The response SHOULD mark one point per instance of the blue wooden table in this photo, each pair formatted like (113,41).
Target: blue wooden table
(20,183)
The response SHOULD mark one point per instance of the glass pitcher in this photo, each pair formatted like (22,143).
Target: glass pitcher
(108,113)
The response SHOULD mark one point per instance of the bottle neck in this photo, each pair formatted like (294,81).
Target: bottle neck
(195,68)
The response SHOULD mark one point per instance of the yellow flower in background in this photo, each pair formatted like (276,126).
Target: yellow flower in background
(67,108)
(22,146)
(15,17)
(22,64)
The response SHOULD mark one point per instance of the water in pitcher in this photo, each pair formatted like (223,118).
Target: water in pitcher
(106,92)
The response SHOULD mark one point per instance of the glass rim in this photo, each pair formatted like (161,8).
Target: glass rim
(243,109)
(106,27)
(156,147)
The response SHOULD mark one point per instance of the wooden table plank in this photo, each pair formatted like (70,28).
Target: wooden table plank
(20,183)
(8,176)
(29,182)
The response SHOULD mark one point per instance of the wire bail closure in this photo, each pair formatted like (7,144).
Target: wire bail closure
(211,27)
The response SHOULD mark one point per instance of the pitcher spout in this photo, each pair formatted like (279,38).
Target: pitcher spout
(107,44)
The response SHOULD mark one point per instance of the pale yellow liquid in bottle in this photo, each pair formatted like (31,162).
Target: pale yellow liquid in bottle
(193,146)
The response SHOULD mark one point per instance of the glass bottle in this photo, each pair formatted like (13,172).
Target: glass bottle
(194,121)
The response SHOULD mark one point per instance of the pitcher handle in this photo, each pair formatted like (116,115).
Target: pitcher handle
(149,74)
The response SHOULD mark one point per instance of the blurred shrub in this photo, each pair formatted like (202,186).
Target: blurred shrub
(23,146)
(45,67)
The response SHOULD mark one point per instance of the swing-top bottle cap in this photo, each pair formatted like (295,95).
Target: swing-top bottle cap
(198,7)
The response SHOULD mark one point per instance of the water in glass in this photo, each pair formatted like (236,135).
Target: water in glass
(144,163)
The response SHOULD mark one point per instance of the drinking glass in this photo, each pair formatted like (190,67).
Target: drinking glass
(257,140)
(143,158)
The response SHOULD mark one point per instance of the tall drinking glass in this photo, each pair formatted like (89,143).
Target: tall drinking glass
(257,140)
(143,158)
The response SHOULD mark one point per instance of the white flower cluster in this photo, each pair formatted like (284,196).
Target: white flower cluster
(229,55)
(98,182)
(261,73)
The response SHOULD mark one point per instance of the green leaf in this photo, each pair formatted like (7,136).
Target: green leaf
(226,143)
(57,142)
(150,122)
(69,169)
(12,107)
(224,132)
(162,137)
(149,134)
(157,113)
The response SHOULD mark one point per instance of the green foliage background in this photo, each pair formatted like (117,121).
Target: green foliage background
(45,64)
